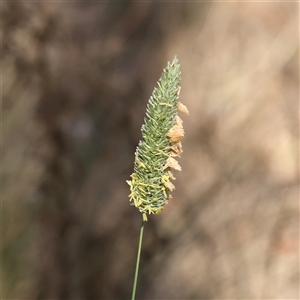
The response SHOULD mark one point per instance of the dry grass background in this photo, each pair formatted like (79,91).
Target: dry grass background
(76,77)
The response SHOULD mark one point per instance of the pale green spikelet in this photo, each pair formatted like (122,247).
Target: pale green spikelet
(162,133)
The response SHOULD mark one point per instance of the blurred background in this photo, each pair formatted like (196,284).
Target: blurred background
(76,78)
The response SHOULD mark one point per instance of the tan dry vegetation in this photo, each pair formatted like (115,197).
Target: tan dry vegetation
(75,80)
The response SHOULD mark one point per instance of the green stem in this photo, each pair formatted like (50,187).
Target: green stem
(138,261)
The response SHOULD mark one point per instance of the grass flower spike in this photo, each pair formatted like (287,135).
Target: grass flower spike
(162,132)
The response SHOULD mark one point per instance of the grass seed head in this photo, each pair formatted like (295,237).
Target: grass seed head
(162,133)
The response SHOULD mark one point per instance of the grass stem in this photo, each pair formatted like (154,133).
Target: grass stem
(138,261)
